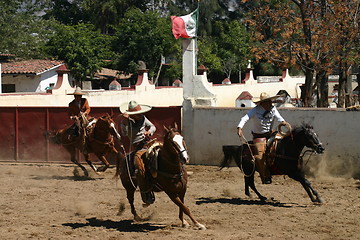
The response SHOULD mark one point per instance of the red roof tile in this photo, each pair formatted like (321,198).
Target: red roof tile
(29,66)
(245,95)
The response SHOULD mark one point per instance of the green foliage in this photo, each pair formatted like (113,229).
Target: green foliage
(82,47)
(227,50)
(207,55)
(66,12)
(143,36)
(23,31)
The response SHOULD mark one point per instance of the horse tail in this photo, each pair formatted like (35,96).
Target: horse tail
(53,137)
(230,152)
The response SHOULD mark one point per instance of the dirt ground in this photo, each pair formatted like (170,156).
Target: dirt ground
(48,201)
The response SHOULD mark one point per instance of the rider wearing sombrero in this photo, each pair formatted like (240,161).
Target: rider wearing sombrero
(79,108)
(138,129)
(263,115)
(78,105)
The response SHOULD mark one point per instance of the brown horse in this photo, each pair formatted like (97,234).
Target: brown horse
(171,176)
(97,140)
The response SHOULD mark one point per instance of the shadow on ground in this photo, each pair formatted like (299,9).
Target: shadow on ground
(239,201)
(122,226)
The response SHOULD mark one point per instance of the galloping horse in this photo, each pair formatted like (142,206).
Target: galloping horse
(99,140)
(287,159)
(171,176)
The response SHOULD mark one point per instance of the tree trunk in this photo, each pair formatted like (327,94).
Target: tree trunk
(348,88)
(307,95)
(341,91)
(322,79)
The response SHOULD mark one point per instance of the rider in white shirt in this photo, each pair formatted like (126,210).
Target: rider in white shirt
(263,117)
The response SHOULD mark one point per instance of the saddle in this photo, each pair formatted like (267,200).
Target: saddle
(151,156)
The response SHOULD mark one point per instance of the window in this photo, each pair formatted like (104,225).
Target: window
(8,88)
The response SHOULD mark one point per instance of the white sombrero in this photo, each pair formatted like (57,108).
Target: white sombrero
(265,97)
(76,92)
(133,108)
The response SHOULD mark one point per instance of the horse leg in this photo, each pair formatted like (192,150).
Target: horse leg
(317,195)
(184,223)
(123,171)
(87,159)
(249,182)
(314,196)
(184,209)
(130,192)
(103,159)
(247,189)
(76,161)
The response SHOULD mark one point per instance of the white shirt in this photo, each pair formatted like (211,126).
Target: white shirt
(137,129)
(262,124)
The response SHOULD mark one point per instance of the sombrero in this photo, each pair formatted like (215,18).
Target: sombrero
(265,97)
(133,108)
(76,92)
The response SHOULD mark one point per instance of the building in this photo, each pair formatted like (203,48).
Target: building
(29,75)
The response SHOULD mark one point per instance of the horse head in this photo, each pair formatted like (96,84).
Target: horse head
(311,139)
(174,139)
(107,124)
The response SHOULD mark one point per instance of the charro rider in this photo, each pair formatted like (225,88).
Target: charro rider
(263,116)
(79,108)
(138,129)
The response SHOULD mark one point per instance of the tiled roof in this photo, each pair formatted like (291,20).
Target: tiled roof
(106,72)
(29,66)
(245,95)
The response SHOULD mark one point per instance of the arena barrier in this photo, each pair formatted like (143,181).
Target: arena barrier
(23,130)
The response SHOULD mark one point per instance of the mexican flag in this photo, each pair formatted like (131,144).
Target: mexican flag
(185,26)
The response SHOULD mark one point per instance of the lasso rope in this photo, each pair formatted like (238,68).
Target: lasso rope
(252,157)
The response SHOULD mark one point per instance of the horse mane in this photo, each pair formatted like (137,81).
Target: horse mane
(303,126)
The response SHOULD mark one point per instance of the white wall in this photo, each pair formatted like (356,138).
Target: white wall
(209,128)
(143,93)
(31,83)
(47,78)
(28,83)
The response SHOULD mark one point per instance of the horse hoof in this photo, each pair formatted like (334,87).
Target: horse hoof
(318,201)
(263,199)
(101,169)
(145,205)
(200,226)
(185,224)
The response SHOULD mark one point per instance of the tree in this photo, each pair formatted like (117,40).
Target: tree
(283,36)
(23,31)
(233,45)
(304,33)
(345,44)
(82,47)
(67,12)
(143,36)
(107,13)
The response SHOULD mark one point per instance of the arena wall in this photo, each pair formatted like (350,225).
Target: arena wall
(209,128)
(23,130)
